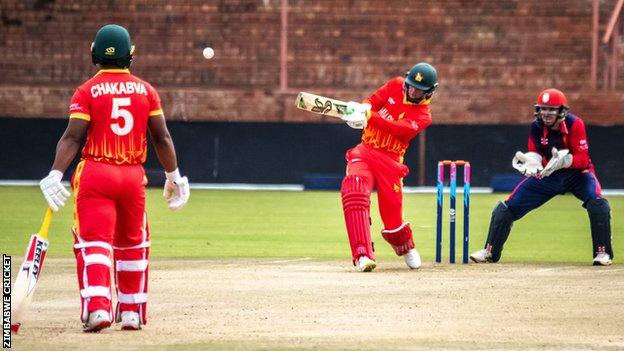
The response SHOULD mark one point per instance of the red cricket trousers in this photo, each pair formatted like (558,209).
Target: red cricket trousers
(110,221)
(383,171)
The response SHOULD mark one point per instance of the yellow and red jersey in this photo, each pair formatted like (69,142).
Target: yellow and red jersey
(394,121)
(117,106)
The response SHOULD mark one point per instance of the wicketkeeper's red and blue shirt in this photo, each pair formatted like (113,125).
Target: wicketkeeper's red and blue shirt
(571,135)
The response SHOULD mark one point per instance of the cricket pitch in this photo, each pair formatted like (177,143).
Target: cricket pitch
(287,304)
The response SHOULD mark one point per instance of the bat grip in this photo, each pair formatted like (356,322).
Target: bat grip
(45,226)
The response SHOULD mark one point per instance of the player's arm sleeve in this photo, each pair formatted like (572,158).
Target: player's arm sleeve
(578,146)
(80,106)
(405,128)
(379,97)
(531,145)
(154,99)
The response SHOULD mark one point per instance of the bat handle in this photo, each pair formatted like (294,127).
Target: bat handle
(45,226)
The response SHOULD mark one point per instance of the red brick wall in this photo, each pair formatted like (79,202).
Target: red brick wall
(493,57)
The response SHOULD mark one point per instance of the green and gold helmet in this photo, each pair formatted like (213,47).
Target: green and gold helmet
(422,77)
(112,45)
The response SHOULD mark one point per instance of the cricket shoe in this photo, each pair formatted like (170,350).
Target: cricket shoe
(365,264)
(97,321)
(412,259)
(481,256)
(130,320)
(602,259)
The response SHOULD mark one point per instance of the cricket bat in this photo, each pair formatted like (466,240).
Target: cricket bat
(29,273)
(322,105)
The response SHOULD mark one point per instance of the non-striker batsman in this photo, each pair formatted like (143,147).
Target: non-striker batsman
(111,113)
(390,118)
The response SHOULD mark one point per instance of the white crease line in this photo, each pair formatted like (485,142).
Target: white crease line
(292,260)
(554,269)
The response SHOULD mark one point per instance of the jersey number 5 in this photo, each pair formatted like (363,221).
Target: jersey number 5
(125,115)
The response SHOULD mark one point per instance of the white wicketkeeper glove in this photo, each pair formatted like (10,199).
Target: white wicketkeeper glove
(355,114)
(176,191)
(529,164)
(560,159)
(53,191)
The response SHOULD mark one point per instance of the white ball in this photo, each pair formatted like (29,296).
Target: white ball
(208,53)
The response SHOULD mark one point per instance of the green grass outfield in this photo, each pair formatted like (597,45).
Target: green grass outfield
(220,223)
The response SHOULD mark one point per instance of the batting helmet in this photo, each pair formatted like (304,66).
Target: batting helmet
(112,45)
(552,98)
(422,77)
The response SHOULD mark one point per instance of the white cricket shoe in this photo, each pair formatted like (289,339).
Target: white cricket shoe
(98,320)
(481,256)
(365,264)
(130,320)
(412,259)
(602,259)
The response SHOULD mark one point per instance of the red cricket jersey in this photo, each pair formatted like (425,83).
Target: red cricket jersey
(117,106)
(394,121)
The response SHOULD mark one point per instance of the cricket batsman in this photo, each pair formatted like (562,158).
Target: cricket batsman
(557,162)
(390,118)
(111,114)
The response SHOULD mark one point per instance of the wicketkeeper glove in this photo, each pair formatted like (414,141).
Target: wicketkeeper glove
(53,191)
(560,159)
(176,191)
(356,114)
(529,164)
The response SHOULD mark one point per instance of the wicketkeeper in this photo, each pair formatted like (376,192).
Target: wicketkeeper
(557,162)
(111,113)
(390,118)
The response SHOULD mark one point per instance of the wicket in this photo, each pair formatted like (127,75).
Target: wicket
(453,194)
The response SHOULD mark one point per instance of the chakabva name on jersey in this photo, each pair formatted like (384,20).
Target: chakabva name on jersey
(118,88)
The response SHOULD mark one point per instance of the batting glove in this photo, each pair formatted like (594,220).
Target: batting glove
(53,191)
(356,114)
(560,159)
(176,191)
(529,164)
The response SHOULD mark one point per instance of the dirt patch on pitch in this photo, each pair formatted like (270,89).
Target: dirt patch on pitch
(246,304)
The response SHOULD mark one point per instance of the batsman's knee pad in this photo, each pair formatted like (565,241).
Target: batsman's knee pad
(356,208)
(131,273)
(500,227)
(401,238)
(600,222)
(93,267)
(355,194)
